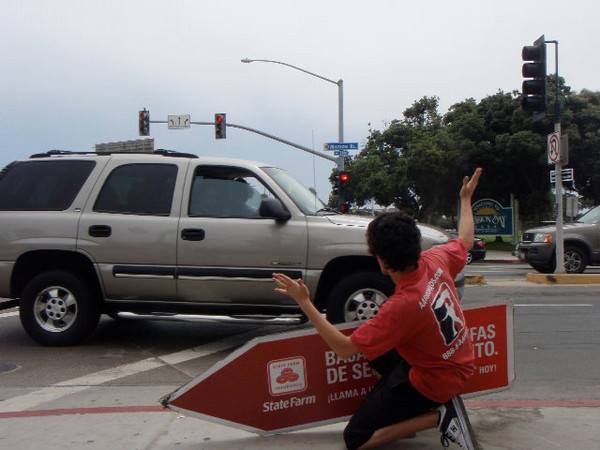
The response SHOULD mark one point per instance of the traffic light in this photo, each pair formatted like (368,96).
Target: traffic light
(144,117)
(344,179)
(534,69)
(220,126)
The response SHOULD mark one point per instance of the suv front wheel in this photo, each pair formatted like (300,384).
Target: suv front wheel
(58,309)
(575,259)
(358,297)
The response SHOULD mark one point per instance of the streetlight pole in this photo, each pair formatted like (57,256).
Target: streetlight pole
(340,85)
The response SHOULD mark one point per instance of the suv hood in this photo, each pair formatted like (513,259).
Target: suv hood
(430,235)
(551,229)
(349,220)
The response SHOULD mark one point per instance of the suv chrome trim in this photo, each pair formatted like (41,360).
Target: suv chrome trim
(254,320)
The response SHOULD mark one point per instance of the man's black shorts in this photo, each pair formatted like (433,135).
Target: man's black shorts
(392,400)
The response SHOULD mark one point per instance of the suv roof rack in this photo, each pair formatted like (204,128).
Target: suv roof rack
(58,152)
(174,153)
(160,151)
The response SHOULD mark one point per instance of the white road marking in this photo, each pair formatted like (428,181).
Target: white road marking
(9,314)
(550,305)
(75,385)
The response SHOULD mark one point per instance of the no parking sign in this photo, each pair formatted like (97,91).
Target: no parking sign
(554,148)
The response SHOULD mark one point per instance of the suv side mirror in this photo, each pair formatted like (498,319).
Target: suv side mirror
(273,209)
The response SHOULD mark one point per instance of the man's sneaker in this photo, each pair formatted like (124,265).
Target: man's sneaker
(454,425)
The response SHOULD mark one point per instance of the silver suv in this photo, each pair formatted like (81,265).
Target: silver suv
(174,236)
(581,245)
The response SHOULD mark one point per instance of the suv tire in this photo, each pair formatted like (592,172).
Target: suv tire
(575,259)
(544,268)
(57,309)
(358,297)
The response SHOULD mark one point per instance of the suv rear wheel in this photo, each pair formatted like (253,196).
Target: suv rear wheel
(358,297)
(58,309)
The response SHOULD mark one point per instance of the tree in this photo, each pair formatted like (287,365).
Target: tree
(416,163)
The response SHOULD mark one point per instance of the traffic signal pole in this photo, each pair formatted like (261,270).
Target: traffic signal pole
(262,133)
(560,246)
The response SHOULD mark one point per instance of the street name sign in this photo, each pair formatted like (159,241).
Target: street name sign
(293,380)
(340,146)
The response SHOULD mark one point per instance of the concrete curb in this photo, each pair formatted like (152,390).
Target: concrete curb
(563,278)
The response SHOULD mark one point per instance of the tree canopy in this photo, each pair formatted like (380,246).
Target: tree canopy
(416,163)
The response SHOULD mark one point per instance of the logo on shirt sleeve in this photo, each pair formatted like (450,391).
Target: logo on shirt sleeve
(444,309)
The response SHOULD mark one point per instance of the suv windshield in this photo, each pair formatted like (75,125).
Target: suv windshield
(592,216)
(304,198)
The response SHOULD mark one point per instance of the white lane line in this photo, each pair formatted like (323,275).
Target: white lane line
(9,314)
(559,305)
(75,385)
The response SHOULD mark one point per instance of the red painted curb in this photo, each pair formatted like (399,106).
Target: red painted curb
(142,409)
(75,411)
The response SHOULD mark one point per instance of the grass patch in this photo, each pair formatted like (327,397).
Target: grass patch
(504,245)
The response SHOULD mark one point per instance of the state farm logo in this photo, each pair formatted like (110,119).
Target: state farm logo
(287,375)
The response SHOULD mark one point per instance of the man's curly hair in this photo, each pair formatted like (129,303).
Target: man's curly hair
(396,239)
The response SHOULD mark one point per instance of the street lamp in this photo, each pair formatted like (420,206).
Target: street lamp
(339,83)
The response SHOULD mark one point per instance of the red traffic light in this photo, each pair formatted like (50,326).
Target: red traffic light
(343,179)
(144,122)
(220,125)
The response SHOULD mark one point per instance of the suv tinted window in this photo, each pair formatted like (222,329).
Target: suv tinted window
(42,185)
(226,192)
(138,189)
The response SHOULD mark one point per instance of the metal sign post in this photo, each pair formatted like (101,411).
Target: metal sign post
(554,157)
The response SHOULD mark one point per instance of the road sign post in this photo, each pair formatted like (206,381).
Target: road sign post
(293,380)
(554,157)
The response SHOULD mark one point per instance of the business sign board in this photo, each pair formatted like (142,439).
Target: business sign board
(293,380)
(491,218)
(136,145)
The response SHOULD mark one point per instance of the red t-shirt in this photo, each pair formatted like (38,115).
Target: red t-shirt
(424,322)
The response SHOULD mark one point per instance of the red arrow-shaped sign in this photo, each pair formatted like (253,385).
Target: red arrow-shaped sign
(293,380)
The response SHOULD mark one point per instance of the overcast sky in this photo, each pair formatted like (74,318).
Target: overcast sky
(75,73)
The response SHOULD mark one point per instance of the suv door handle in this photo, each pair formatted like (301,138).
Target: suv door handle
(192,234)
(100,230)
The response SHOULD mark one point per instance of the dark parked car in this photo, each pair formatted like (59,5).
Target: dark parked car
(477,252)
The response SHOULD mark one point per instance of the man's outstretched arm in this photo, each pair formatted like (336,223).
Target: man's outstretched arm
(337,341)
(466,225)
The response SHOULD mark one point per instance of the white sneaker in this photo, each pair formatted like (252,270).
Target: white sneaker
(454,425)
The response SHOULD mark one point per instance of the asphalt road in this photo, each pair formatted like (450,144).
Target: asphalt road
(133,363)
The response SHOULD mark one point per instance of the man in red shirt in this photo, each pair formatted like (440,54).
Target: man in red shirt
(418,341)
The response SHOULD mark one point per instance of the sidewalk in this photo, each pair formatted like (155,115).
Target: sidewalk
(497,256)
(503,427)
(504,257)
